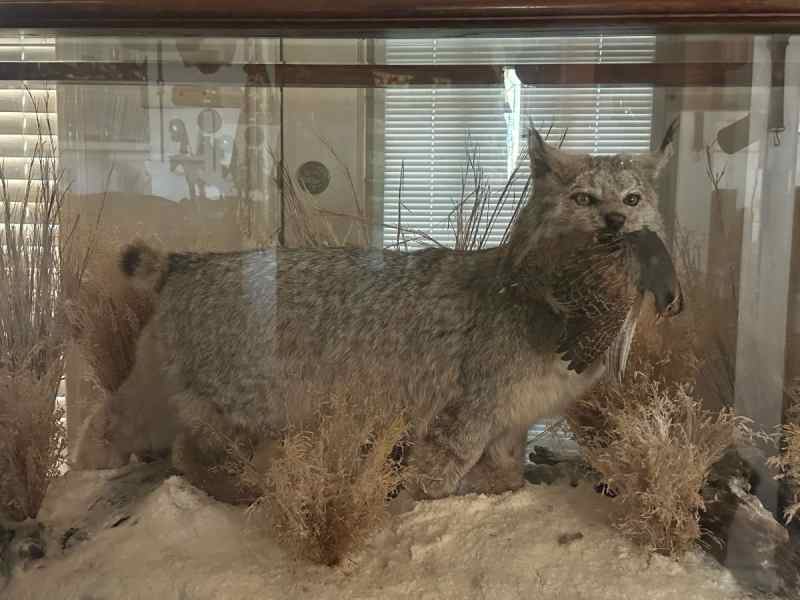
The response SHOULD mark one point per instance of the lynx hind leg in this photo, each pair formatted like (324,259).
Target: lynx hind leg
(500,468)
(144,420)
(94,448)
(199,416)
(447,453)
(212,468)
(225,461)
(136,419)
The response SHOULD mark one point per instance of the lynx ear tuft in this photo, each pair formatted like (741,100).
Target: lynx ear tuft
(537,151)
(662,156)
(548,160)
(666,144)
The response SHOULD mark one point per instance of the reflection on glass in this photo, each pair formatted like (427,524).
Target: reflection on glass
(198,144)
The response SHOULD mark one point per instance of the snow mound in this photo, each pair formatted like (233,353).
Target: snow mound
(143,536)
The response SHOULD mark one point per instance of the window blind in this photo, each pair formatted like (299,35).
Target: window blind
(25,106)
(18,109)
(427,129)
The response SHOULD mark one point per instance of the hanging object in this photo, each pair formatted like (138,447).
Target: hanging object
(775,118)
(737,136)
(207,55)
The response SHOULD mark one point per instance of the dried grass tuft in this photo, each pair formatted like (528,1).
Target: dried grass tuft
(327,484)
(656,450)
(655,438)
(308,225)
(38,259)
(787,463)
(33,440)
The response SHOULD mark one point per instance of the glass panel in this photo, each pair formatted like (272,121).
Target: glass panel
(314,275)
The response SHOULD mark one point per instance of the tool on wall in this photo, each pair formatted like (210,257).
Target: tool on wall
(775,117)
(737,135)
(205,166)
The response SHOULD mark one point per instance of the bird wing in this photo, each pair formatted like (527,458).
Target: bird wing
(598,296)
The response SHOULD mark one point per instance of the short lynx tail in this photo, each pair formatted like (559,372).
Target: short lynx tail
(145,266)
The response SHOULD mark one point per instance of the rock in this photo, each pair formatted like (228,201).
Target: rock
(72,537)
(742,534)
(30,549)
(6,564)
(79,505)
(544,456)
(542,474)
(20,544)
(549,465)
(567,538)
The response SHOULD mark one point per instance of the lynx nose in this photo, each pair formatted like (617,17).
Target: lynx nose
(615,221)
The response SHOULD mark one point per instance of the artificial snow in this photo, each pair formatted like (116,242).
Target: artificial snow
(132,534)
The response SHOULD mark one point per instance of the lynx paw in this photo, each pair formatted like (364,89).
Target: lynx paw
(93,449)
(437,472)
(484,479)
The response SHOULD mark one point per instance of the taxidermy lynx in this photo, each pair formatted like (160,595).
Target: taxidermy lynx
(474,347)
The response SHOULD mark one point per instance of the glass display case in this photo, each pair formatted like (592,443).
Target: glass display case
(142,140)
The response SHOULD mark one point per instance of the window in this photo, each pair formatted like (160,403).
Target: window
(18,122)
(428,129)
(24,107)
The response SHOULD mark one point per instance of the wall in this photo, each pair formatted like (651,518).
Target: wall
(693,192)
(330,126)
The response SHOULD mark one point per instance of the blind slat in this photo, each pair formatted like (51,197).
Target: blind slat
(24,108)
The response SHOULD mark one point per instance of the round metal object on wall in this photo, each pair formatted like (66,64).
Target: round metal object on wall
(209,120)
(314,177)
(206,55)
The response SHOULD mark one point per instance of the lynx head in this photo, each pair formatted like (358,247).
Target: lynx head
(583,193)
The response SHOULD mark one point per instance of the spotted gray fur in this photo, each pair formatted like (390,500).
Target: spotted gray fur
(466,344)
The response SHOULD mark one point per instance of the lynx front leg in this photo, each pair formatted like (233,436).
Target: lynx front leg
(453,445)
(500,469)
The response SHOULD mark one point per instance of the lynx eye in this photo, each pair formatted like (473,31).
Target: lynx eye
(632,199)
(582,199)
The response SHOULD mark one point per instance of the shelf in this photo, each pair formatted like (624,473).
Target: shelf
(396,17)
(720,74)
